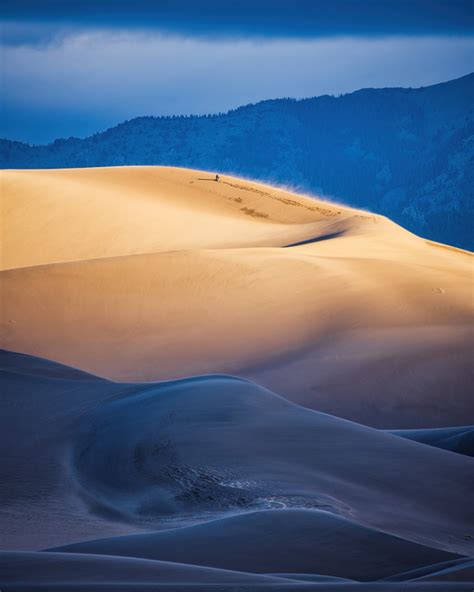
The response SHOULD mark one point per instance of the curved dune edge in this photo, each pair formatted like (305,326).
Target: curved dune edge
(292,541)
(42,571)
(52,216)
(459,440)
(58,568)
(457,570)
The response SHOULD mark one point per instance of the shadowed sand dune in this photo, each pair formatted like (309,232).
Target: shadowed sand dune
(152,273)
(457,570)
(292,541)
(91,458)
(113,458)
(28,572)
(36,569)
(460,440)
(255,448)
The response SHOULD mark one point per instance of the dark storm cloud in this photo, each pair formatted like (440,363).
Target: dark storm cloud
(282,18)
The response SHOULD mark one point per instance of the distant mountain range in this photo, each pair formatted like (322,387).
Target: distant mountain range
(405,153)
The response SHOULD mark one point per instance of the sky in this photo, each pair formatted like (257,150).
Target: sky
(77,67)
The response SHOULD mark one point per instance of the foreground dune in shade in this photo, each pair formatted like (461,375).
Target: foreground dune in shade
(153,273)
(35,572)
(289,541)
(122,457)
(265,494)
(35,569)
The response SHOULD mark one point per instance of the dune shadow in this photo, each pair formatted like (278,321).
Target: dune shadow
(316,239)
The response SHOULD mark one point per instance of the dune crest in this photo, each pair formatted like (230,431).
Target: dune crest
(289,541)
(52,216)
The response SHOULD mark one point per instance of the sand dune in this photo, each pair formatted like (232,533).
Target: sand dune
(460,440)
(40,404)
(216,353)
(28,572)
(463,572)
(179,276)
(257,450)
(113,459)
(66,215)
(119,457)
(457,570)
(31,570)
(292,541)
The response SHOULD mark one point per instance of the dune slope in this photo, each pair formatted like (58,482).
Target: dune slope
(255,450)
(112,459)
(152,273)
(31,570)
(293,541)
(49,216)
(43,572)
(460,440)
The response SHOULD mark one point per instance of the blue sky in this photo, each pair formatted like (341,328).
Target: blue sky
(77,67)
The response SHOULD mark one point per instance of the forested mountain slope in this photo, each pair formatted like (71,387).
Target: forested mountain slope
(405,153)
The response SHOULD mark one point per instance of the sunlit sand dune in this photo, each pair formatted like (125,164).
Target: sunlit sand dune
(150,273)
(66,215)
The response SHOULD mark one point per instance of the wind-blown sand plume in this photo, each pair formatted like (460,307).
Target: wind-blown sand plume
(362,320)
(66,215)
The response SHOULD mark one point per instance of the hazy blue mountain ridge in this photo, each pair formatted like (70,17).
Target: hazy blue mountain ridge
(405,153)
